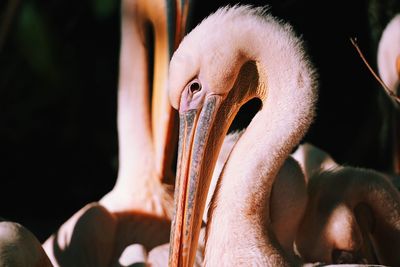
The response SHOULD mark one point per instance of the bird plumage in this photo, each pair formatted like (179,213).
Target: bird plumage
(139,207)
(352,216)
(247,54)
(389,54)
(19,247)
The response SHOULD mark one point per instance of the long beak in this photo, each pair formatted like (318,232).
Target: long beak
(198,149)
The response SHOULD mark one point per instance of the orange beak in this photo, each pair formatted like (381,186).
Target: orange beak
(196,160)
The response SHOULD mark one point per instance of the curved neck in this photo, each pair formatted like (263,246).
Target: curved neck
(143,135)
(242,201)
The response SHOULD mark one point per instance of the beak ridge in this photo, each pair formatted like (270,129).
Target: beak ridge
(192,181)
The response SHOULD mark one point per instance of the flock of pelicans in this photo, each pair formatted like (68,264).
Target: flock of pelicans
(243,199)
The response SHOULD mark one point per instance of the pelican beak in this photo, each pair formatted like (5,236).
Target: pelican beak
(198,149)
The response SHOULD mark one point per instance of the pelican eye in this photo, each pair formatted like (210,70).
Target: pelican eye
(194,87)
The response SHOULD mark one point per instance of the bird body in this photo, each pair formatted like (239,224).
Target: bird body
(342,214)
(352,216)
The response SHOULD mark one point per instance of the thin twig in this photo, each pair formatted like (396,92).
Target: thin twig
(389,92)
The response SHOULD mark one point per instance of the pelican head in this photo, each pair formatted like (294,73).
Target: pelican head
(215,71)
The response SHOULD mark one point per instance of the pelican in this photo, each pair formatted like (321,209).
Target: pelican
(337,224)
(352,216)
(236,54)
(389,72)
(138,209)
(144,121)
(343,211)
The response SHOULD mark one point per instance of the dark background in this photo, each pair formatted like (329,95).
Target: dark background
(58,88)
